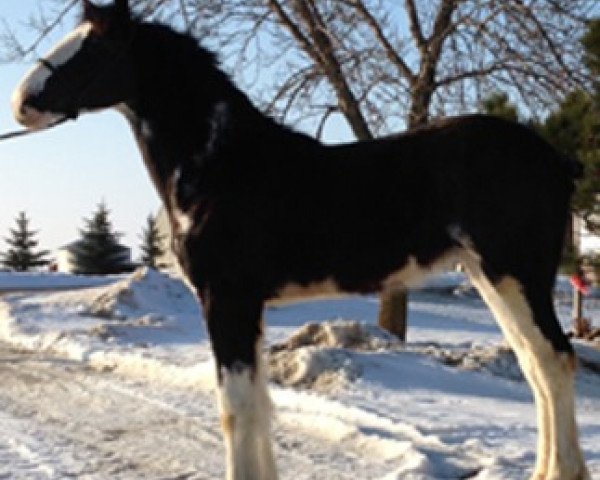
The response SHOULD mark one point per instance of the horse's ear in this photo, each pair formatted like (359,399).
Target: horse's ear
(122,9)
(106,18)
(89,10)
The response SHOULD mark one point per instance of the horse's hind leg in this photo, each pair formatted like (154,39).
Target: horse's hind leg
(556,374)
(526,316)
(234,322)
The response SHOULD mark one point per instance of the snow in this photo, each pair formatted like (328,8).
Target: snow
(11,281)
(351,401)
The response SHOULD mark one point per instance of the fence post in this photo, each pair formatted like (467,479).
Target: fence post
(393,312)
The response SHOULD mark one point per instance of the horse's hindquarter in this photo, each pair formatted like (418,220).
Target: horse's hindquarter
(496,183)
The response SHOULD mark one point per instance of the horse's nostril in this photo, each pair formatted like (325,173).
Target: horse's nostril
(20,102)
(25,112)
(27,106)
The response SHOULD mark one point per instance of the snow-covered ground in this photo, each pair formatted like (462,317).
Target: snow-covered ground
(351,402)
(10,282)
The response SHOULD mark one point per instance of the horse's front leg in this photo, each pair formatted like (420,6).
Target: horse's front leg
(234,322)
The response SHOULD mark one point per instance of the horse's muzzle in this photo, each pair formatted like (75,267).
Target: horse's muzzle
(29,116)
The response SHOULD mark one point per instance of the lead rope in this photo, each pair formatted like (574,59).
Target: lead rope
(25,131)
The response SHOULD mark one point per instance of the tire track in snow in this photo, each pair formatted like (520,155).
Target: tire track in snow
(62,420)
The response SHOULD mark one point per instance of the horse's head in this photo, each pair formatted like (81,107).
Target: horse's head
(89,69)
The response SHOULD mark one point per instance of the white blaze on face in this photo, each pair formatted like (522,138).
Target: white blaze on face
(35,80)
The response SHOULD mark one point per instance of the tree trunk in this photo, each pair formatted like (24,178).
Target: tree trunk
(318,44)
(393,309)
(421,99)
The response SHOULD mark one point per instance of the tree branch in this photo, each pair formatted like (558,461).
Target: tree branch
(415,26)
(389,50)
(332,69)
(49,28)
(480,72)
(543,32)
(441,28)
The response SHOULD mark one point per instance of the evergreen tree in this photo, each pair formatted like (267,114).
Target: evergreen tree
(575,130)
(499,105)
(151,245)
(98,252)
(21,255)
(591,44)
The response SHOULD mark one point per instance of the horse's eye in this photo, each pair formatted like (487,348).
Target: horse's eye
(93,38)
(97,44)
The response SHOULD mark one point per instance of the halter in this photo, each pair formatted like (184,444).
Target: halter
(46,63)
(69,116)
(25,131)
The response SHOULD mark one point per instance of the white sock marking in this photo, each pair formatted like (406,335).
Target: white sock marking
(245,412)
(549,373)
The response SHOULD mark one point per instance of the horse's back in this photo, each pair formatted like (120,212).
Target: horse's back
(495,182)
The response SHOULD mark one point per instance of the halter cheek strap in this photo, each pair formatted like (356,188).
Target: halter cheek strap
(47,64)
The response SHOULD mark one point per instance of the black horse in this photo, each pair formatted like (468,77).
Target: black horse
(256,208)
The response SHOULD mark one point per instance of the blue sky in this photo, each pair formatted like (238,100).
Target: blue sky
(59,176)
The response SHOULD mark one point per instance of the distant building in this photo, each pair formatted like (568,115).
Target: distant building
(65,257)
(587,242)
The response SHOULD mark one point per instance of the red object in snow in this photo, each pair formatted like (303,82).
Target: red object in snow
(580,284)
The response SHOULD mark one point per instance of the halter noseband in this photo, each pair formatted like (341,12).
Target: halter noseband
(68,116)
(53,69)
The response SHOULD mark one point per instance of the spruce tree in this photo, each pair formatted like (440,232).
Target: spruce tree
(98,251)
(151,245)
(574,130)
(21,255)
(499,105)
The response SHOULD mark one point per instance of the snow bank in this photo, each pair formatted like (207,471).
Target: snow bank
(321,356)
(318,355)
(146,323)
(497,360)
(339,334)
(143,292)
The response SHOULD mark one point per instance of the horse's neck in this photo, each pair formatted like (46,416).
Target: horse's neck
(187,128)
(166,146)
(189,131)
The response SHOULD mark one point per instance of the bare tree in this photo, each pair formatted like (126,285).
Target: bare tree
(381,65)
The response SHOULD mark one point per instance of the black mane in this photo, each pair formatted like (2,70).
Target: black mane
(181,84)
